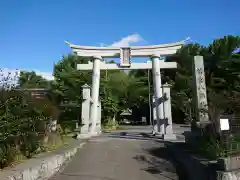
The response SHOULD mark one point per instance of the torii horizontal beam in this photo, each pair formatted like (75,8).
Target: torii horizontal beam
(147,65)
(136,51)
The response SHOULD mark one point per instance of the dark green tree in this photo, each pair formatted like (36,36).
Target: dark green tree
(29,80)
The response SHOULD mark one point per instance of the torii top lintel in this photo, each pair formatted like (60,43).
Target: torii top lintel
(136,51)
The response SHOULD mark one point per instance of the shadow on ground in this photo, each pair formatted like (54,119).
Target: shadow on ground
(86,176)
(131,135)
(158,160)
(162,162)
(137,136)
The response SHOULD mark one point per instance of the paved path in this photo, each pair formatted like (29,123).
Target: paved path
(112,158)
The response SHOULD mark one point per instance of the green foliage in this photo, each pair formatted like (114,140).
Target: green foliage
(24,119)
(120,90)
(222,77)
(67,86)
(32,80)
(109,125)
(116,89)
(18,127)
(7,154)
(211,148)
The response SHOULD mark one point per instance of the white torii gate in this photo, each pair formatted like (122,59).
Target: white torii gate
(125,53)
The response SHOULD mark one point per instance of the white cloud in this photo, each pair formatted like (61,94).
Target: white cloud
(102,44)
(128,40)
(46,75)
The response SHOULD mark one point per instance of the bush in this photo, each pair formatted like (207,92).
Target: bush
(7,154)
(109,124)
(211,148)
(24,125)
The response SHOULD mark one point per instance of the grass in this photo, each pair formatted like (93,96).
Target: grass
(57,143)
(49,147)
(18,158)
(110,129)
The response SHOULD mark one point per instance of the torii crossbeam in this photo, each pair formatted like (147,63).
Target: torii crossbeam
(125,53)
(146,65)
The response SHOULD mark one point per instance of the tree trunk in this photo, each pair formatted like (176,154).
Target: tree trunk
(214,115)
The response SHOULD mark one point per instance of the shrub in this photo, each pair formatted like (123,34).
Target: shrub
(23,125)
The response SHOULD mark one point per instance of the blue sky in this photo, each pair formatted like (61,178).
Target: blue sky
(33,32)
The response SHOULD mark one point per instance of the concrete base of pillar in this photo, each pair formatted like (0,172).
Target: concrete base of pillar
(99,132)
(95,133)
(82,136)
(99,129)
(156,133)
(169,137)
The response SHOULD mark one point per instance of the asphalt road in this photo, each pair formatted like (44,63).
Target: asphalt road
(113,158)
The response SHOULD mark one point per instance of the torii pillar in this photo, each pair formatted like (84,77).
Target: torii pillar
(157,83)
(95,94)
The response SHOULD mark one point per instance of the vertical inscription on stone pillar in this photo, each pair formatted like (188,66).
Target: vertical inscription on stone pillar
(167,108)
(85,108)
(98,126)
(154,109)
(200,89)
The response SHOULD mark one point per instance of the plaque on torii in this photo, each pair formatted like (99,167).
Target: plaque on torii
(125,57)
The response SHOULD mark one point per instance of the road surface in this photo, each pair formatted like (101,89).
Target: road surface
(114,158)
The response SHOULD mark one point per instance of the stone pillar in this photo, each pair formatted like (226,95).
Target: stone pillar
(200,91)
(154,120)
(158,94)
(95,94)
(98,126)
(84,132)
(156,123)
(167,106)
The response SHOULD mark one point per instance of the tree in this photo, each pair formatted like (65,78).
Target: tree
(120,90)
(113,91)
(221,71)
(116,88)
(31,80)
(67,87)
(181,80)
(222,77)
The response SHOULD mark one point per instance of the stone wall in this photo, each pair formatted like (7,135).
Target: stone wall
(202,169)
(43,166)
(196,168)
(229,168)
(231,175)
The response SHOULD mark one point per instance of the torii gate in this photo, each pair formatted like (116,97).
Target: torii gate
(155,52)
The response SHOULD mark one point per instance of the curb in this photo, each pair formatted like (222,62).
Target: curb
(43,166)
